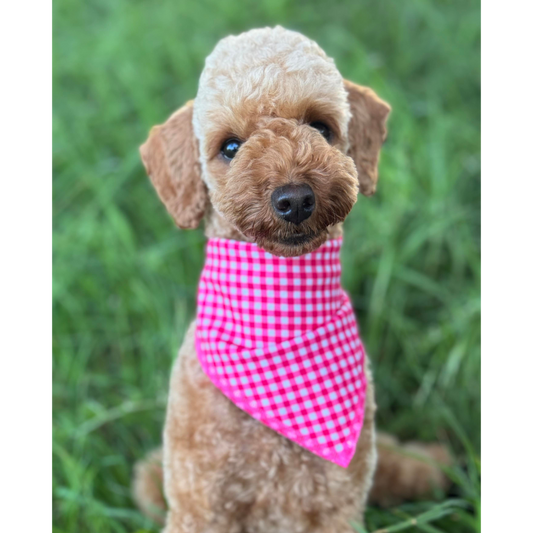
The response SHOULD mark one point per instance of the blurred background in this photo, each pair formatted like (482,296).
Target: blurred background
(125,277)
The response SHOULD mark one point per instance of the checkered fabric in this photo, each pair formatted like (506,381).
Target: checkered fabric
(278,336)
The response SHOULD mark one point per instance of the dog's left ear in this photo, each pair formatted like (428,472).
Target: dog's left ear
(366,133)
(171,158)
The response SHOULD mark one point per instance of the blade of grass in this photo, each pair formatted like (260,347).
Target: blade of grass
(435,513)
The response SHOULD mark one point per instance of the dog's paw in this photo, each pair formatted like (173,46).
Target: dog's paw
(408,471)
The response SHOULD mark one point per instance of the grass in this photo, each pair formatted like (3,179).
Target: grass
(124,277)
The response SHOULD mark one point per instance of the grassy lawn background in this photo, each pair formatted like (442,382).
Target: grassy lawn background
(125,277)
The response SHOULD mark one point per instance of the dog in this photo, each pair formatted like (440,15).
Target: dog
(273,151)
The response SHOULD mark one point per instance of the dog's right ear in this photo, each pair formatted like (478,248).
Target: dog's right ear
(171,158)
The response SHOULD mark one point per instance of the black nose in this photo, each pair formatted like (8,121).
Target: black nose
(293,203)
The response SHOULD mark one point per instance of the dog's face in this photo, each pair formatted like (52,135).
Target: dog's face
(276,140)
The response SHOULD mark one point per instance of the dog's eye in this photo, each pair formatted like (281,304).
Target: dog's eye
(230,148)
(322,129)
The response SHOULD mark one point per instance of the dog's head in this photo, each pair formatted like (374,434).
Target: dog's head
(276,140)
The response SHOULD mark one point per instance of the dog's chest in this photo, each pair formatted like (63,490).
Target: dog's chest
(247,465)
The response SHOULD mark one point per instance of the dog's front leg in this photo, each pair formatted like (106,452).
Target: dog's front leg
(196,448)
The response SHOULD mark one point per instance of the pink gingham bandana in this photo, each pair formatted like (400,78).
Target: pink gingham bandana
(279,338)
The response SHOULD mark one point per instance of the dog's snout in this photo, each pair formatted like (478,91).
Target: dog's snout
(294,202)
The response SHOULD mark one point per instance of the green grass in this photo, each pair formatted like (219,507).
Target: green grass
(124,277)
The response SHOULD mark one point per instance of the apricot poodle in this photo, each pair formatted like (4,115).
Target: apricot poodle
(273,151)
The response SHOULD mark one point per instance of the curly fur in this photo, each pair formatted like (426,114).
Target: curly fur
(223,471)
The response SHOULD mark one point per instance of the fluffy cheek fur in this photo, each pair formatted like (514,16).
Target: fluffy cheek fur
(282,152)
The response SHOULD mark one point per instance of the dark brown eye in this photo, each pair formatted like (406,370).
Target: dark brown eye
(322,129)
(230,148)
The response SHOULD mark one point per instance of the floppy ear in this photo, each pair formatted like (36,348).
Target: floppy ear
(170,156)
(366,133)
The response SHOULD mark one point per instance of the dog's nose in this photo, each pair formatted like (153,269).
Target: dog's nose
(293,203)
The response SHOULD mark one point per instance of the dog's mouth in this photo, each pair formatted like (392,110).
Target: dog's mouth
(297,239)
(292,245)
